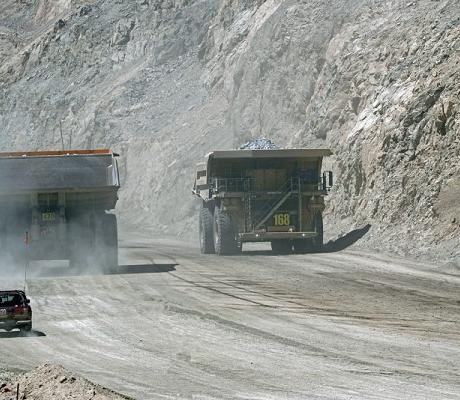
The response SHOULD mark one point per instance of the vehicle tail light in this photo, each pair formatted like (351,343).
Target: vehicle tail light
(21,309)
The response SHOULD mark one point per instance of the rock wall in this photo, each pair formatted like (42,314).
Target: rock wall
(163,82)
(376,81)
(122,75)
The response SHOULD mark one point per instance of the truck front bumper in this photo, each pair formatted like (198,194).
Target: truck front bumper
(269,236)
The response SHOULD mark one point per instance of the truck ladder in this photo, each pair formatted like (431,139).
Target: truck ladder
(271,208)
(247,211)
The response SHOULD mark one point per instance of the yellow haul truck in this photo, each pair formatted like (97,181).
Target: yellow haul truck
(53,205)
(274,196)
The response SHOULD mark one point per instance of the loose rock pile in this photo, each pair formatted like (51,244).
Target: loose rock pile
(259,144)
(51,382)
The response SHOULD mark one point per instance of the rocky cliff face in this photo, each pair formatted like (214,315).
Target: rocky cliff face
(163,82)
(377,82)
(123,75)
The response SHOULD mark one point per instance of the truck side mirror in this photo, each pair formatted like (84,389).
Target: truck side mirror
(328,180)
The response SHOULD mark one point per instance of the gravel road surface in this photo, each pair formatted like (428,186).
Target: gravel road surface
(171,323)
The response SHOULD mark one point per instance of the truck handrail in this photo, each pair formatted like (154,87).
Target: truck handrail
(232,184)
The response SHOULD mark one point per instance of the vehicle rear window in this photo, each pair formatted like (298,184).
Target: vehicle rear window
(10,299)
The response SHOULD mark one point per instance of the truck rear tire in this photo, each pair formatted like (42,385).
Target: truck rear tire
(318,240)
(79,240)
(94,242)
(281,246)
(225,242)
(206,227)
(315,244)
(303,246)
(109,243)
(26,328)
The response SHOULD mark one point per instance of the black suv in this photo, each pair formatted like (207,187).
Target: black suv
(15,311)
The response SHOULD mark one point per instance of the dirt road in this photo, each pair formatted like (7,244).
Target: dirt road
(174,324)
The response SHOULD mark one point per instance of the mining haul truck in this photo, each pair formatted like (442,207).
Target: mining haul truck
(274,196)
(54,206)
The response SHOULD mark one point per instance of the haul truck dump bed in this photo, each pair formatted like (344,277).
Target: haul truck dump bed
(53,205)
(262,195)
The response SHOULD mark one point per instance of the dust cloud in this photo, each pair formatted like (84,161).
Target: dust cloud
(75,246)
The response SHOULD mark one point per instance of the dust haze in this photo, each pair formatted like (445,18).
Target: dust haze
(374,314)
(54,207)
(337,75)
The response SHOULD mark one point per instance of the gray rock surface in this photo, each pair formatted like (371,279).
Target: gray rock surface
(378,82)
(165,81)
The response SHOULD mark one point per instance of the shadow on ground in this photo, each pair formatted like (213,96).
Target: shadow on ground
(143,269)
(19,334)
(346,241)
(332,246)
(65,271)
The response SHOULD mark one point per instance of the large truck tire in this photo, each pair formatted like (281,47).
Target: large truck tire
(311,245)
(3,237)
(281,246)
(93,242)
(225,242)
(80,239)
(14,252)
(239,247)
(206,227)
(26,328)
(303,246)
(318,240)
(3,245)
(107,251)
